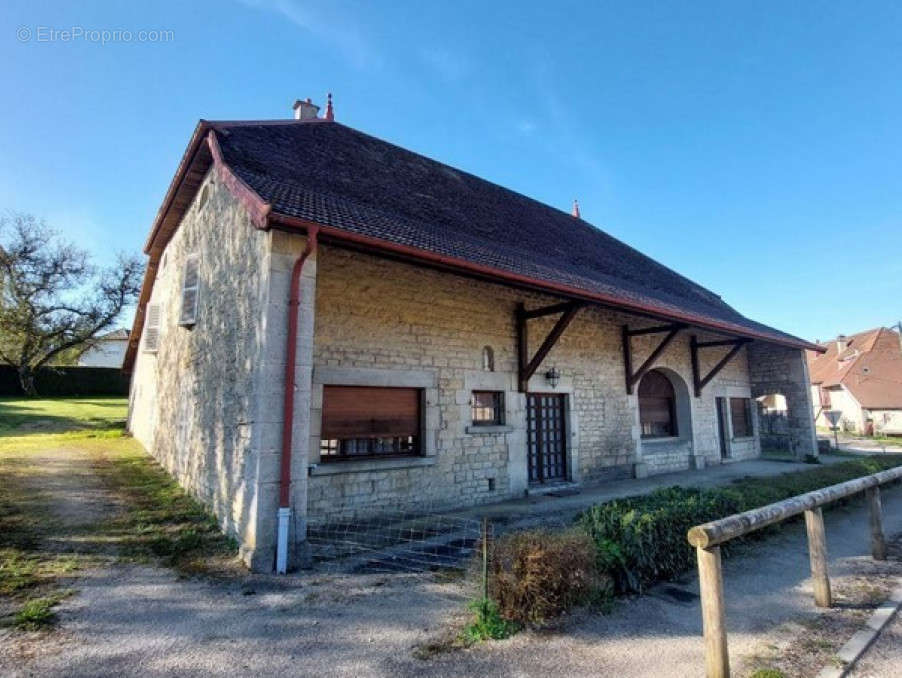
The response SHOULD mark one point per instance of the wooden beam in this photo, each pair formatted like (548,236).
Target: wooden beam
(551,339)
(646,366)
(627,334)
(714,622)
(522,346)
(700,382)
(817,554)
(548,310)
(693,356)
(627,359)
(655,330)
(528,367)
(711,344)
(878,542)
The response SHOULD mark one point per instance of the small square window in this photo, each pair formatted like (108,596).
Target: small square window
(487,408)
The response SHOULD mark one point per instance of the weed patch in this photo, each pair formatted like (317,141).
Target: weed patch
(37,613)
(160,520)
(488,623)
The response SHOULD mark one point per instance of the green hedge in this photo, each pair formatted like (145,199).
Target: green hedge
(67,381)
(642,540)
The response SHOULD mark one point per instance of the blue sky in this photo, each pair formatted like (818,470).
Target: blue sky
(754,147)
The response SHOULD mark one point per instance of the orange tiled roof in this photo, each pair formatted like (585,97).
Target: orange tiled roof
(869,366)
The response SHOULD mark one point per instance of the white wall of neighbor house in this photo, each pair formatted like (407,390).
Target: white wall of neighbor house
(852,414)
(106,353)
(887,421)
(384,323)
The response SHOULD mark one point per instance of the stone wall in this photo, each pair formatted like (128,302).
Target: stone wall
(195,403)
(783,370)
(379,319)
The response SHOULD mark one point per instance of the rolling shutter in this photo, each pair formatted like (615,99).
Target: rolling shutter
(152,328)
(370,412)
(190,286)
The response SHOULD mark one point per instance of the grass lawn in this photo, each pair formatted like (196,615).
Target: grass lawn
(23,416)
(42,548)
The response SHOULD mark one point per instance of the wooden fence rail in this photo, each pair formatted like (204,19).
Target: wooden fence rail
(707,539)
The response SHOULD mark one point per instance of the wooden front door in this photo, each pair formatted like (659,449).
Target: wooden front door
(546,437)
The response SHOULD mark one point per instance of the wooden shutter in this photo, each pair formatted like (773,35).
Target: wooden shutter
(370,412)
(190,286)
(152,328)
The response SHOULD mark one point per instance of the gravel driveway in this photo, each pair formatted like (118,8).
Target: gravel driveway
(142,620)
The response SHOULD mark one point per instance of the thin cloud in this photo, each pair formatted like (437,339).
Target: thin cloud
(337,30)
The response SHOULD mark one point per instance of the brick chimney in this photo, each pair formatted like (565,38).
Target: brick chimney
(305,110)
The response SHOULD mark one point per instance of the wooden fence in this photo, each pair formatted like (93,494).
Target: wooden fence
(707,539)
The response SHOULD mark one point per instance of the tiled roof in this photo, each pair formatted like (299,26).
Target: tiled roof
(336,176)
(869,366)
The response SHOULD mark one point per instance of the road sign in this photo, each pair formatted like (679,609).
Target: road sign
(833,416)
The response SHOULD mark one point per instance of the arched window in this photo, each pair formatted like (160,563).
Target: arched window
(657,406)
(488,359)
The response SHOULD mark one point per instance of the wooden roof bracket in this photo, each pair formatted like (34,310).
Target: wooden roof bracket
(632,378)
(526,366)
(700,382)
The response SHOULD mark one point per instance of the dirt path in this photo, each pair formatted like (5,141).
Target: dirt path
(132,620)
(81,502)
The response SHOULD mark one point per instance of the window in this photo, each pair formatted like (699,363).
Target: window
(657,406)
(190,285)
(488,359)
(364,421)
(152,328)
(741,417)
(487,408)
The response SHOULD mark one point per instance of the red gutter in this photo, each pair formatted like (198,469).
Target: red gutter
(294,303)
(481,270)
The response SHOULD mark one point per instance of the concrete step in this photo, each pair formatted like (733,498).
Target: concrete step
(561,489)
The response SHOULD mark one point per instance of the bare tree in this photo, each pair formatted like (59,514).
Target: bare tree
(52,298)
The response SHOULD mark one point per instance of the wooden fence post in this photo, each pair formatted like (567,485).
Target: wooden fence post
(710,581)
(878,542)
(817,552)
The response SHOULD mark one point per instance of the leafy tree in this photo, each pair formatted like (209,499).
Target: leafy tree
(52,299)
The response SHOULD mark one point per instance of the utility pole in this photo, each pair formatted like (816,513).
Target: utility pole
(898,328)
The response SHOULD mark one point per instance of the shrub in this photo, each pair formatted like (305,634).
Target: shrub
(539,574)
(641,540)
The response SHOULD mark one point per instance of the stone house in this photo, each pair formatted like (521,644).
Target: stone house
(860,376)
(330,323)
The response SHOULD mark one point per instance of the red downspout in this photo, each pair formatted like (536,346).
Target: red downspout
(294,303)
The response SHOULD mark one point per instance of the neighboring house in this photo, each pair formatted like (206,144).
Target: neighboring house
(108,351)
(435,339)
(861,376)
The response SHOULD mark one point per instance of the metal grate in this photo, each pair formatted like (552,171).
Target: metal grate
(410,540)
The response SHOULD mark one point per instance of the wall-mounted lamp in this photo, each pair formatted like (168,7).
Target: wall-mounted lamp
(553,376)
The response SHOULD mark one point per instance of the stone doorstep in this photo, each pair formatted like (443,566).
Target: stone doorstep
(852,651)
(563,488)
